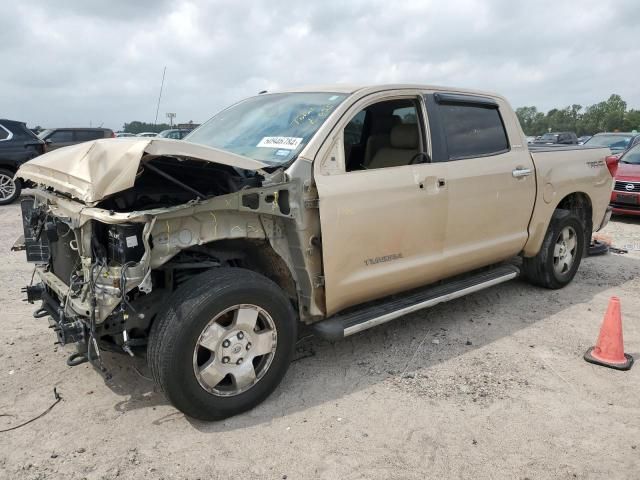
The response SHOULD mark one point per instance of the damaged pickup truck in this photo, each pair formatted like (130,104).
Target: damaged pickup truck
(339,208)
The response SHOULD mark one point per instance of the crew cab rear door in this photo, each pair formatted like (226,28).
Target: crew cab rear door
(490,178)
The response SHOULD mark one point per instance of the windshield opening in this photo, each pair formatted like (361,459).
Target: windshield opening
(619,142)
(270,128)
(632,156)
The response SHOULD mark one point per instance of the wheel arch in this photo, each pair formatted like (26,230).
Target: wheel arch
(252,254)
(578,202)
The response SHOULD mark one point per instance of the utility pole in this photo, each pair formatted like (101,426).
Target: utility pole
(155,122)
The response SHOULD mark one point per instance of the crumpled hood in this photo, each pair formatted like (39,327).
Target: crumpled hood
(94,170)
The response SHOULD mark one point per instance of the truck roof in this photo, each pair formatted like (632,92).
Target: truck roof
(346,88)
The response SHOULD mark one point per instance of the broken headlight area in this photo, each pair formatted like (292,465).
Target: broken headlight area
(95,283)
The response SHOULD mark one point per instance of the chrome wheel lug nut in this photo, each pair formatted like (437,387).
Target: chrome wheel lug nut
(249,346)
(240,335)
(226,343)
(239,361)
(225,359)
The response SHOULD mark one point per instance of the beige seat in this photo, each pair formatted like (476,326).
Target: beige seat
(403,146)
(380,136)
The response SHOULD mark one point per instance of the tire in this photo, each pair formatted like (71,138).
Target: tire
(549,268)
(212,309)
(9,188)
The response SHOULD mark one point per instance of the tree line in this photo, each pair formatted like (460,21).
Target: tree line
(138,127)
(607,116)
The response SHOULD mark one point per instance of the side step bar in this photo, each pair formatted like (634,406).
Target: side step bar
(345,324)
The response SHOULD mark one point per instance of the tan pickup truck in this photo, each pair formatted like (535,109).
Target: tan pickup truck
(341,208)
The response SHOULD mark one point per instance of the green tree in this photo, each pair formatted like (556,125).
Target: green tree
(631,121)
(606,116)
(139,127)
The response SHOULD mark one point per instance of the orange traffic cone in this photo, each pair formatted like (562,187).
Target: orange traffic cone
(609,349)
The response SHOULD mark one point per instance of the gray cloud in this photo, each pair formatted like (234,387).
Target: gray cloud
(74,62)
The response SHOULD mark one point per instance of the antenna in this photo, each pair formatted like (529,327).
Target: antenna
(155,122)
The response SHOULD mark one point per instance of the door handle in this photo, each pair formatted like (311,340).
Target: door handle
(521,172)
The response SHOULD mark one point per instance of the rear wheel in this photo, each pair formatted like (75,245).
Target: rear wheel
(9,188)
(558,260)
(223,344)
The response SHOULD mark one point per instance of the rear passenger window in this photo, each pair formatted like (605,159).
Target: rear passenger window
(473,130)
(86,135)
(61,136)
(4,133)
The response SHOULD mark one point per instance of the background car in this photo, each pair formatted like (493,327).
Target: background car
(18,145)
(147,134)
(625,198)
(175,133)
(583,139)
(124,134)
(560,138)
(63,137)
(617,142)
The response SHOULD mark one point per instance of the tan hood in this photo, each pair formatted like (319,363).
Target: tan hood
(91,171)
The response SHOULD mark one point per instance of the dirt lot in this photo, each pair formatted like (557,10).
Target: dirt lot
(489,386)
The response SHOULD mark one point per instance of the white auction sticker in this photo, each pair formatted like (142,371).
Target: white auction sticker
(290,143)
(132,241)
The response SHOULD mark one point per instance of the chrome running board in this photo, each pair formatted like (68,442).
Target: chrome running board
(382,311)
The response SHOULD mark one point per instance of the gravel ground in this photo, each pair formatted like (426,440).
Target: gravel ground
(488,386)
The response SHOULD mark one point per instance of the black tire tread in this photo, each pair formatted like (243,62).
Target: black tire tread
(535,268)
(188,298)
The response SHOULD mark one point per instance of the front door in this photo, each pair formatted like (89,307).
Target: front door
(383,208)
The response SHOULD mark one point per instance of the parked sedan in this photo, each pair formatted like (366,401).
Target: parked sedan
(18,145)
(147,134)
(557,138)
(617,142)
(625,198)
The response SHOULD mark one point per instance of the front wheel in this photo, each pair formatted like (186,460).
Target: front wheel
(563,247)
(9,188)
(223,344)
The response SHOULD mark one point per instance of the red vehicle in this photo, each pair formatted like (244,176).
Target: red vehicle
(625,198)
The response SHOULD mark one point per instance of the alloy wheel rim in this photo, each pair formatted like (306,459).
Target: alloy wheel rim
(7,187)
(564,250)
(235,350)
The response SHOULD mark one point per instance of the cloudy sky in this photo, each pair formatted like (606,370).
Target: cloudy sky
(75,62)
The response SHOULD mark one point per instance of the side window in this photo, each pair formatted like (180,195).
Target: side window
(86,135)
(61,136)
(4,133)
(406,115)
(353,130)
(473,130)
(385,134)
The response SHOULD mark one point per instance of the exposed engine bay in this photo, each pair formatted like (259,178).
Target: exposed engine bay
(163,182)
(106,267)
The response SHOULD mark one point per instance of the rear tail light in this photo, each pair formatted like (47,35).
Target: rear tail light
(113,134)
(612,164)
